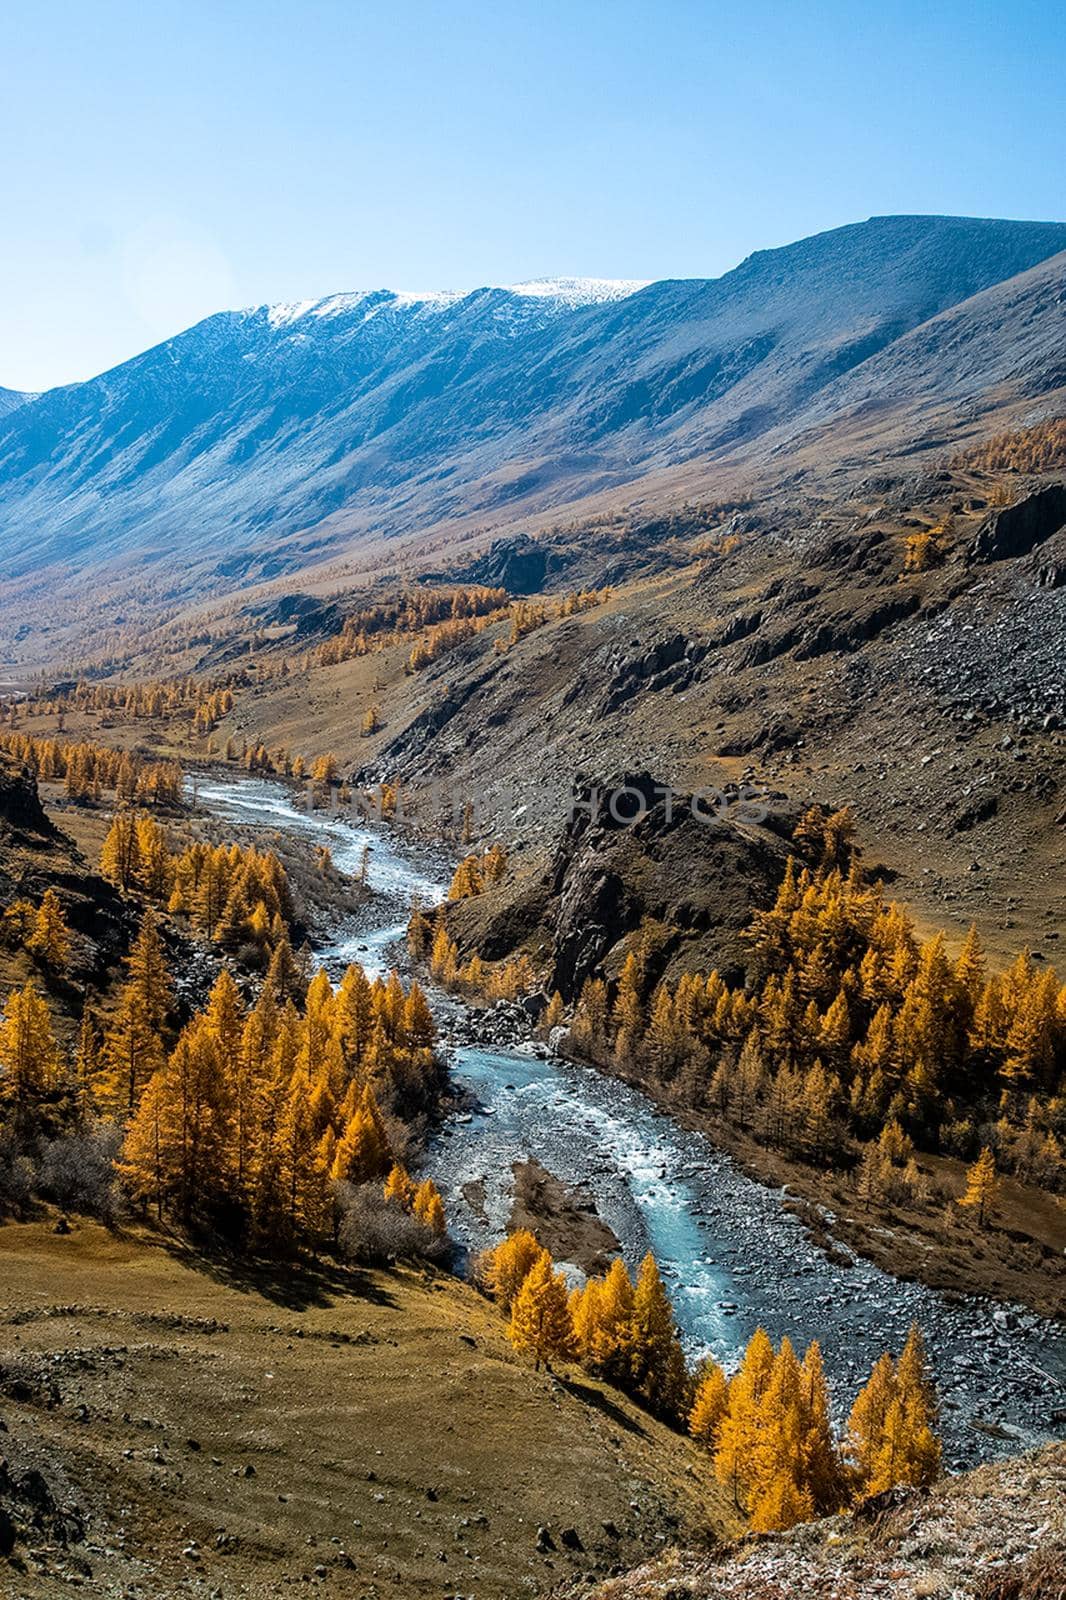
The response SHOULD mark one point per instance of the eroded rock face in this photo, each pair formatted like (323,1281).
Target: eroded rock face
(633,851)
(594,912)
(22,815)
(1015,530)
(36,855)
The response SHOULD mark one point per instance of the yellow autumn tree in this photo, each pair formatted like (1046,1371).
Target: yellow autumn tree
(892,1425)
(503,1269)
(428,1207)
(149,973)
(628,1012)
(398,1188)
(540,1316)
(611,1334)
(50,940)
(120,857)
(734,1460)
(657,1362)
(710,1404)
(363,1149)
(981,1185)
(29,1056)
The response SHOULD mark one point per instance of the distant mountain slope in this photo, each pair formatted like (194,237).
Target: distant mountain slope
(259,440)
(1012,335)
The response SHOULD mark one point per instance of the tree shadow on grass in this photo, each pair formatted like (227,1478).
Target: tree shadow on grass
(592,1396)
(298,1283)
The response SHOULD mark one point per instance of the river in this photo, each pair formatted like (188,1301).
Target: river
(731,1256)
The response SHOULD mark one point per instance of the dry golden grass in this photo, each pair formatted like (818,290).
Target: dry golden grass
(376,1425)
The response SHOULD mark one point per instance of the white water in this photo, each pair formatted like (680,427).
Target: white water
(731,1255)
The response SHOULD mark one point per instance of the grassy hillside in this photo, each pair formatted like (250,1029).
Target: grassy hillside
(371,1431)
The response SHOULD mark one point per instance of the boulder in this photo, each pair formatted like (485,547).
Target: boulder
(1015,530)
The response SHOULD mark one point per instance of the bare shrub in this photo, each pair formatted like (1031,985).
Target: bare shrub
(18,1176)
(374,1230)
(1042,1576)
(78,1172)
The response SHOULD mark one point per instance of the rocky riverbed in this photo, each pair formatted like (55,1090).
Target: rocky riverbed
(732,1255)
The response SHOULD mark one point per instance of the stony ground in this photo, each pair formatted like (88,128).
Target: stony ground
(996,1534)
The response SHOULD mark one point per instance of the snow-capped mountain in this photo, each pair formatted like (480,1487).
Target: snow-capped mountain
(10,398)
(260,440)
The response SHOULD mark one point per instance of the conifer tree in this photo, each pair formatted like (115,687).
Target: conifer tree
(554,1013)
(147,1163)
(663,1040)
(196,1076)
(710,1404)
(781,1503)
(734,1460)
(299,1178)
(120,858)
(419,934)
(419,1029)
(443,958)
(428,1207)
(399,1189)
(657,1363)
(132,1050)
(981,1185)
(589,1030)
(86,1065)
(584,1305)
(50,939)
(866,1423)
(970,972)
(610,1334)
(363,1149)
(628,1013)
(29,1056)
(149,973)
(154,870)
(776,1486)
(540,1316)
(822,1472)
(283,974)
(504,1269)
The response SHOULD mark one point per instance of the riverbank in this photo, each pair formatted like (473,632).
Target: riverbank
(1019,1259)
(731,1255)
(564,1218)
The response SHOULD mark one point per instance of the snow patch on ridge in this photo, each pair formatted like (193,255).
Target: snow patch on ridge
(563,293)
(578,291)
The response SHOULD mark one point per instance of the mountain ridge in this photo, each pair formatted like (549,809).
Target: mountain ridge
(261,440)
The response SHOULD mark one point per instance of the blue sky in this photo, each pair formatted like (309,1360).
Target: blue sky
(161,161)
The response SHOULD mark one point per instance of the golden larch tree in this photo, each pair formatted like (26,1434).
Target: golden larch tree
(540,1316)
(50,940)
(981,1185)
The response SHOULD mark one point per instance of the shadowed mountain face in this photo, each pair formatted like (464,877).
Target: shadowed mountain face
(222,454)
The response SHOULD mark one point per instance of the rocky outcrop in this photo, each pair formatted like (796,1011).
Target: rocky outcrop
(633,852)
(23,819)
(36,855)
(1017,529)
(520,565)
(995,1534)
(669,663)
